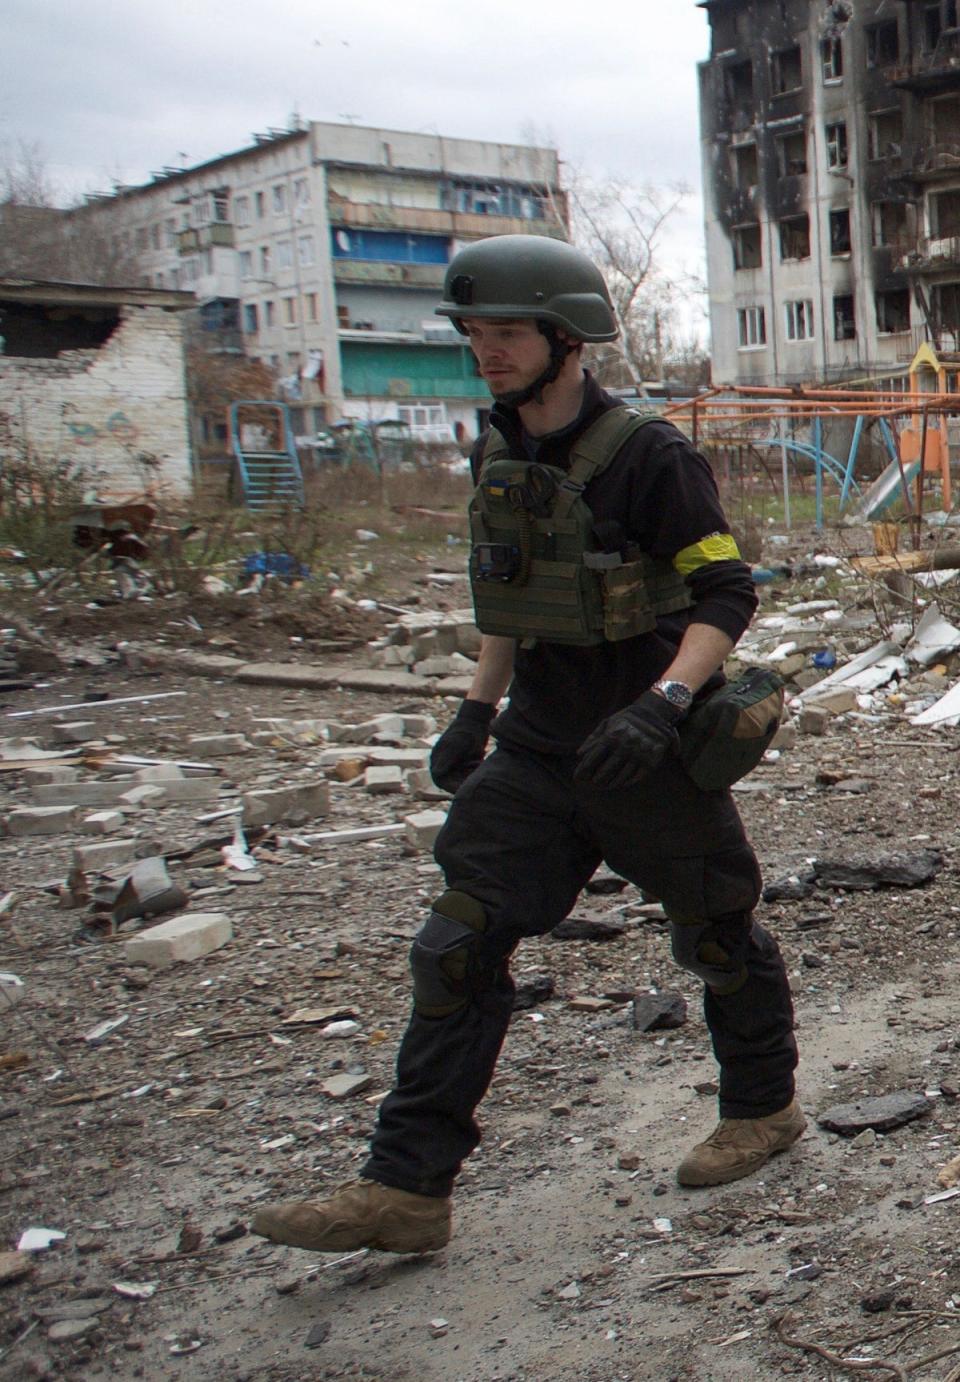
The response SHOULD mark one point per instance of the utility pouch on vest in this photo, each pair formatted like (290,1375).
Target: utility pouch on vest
(537,568)
(725,736)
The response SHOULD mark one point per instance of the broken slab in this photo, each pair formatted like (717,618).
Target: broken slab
(661,1011)
(342,1086)
(899,869)
(183,938)
(218,745)
(882,1113)
(102,856)
(74,732)
(303,801)
(102,822)
(587,929)
(146,891)
(41,820)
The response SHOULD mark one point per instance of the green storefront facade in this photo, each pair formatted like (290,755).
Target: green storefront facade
(415,372)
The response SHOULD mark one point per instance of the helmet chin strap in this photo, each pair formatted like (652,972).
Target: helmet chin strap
(533,393)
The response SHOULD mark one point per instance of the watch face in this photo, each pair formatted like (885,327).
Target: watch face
(676,692)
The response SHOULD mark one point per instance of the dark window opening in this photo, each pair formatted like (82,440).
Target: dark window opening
(42,331)
(837,144)
(747,247)
(945,215)
(889,222)
(739,85)
(883,44)
(932,25)
(886,134)
(844,323)
(795,237)
(786,70)
(745,168)
(840,232)
(946,305)
(946,121)
(791,154)
(893,310)
(831,59)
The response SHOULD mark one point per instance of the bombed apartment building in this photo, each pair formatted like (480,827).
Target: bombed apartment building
(831,159)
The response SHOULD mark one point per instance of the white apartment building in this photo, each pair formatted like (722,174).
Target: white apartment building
(321,250)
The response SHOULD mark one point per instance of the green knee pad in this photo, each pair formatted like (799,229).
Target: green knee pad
(441,952)
(701,954)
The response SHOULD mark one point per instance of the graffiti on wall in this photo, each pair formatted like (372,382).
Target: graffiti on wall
(118,427)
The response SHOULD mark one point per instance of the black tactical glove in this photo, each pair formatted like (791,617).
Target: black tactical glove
(459,750)
(623,749)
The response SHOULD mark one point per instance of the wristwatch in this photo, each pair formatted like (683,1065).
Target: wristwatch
(678,693)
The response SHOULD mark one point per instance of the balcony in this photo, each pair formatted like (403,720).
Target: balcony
(925,162)
(928,253)
(385,274)
(205,237)
(932,72)
(374,216)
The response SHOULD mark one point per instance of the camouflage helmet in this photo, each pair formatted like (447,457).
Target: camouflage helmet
(529,276)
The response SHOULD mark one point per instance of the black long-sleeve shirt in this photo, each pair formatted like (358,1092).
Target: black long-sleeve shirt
(662,491)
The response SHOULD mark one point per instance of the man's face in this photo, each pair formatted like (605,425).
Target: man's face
(510,354)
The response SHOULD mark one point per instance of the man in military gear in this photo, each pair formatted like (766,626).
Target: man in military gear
(609,591)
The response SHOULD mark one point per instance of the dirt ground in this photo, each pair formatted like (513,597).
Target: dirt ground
(576,1257)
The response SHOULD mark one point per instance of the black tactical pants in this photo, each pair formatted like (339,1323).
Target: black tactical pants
(522,841)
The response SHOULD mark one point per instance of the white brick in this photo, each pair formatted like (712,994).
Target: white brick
(75,732)
(41,820)
(217,745)
(423,827)
(101,856)
(144,794)
(102,822)
(159,772)
(183,938)
(379,781)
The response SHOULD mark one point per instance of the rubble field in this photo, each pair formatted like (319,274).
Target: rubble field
(206,902)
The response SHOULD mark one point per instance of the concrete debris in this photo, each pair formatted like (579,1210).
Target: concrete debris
(587,929)
(40,820)
(423,827)
(146,891)
(293,805)
(179,940)
(662,1010)
(903,869)
(882,1113)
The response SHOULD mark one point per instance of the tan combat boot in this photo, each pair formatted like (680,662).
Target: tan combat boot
(363,1214)
(739,1146)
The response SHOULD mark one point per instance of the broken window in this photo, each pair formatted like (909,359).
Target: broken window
(751,327)
(259,206)
(246,264)
(284,254)
(886,133)
(889,222)
(798,319)
(747,251)
(241,209)
(893,310)
(932,25)
(170,232)
(310,306)
(837,144)
(946,305)
(155,236)
(268,314)
(786,71)
(840,232)
(831,59)
(946,121)
(41,331)
(747,247)
(745,170)
(738,78)
(264,261)
(844,323)
(883,44)
(795,237)
(792,153)
(279,199)
(289,311)
(250,318)
(945,215)
(305,250)
(221,205)
(301,192)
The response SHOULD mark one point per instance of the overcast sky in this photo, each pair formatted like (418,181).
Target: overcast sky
(112,89)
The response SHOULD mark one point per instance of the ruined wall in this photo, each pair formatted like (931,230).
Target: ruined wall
(118,412)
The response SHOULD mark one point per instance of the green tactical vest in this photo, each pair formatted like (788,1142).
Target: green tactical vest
(538,566)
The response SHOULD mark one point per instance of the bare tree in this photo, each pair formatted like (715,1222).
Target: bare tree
(41,239)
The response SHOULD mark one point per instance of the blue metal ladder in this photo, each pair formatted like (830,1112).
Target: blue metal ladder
(269,478)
